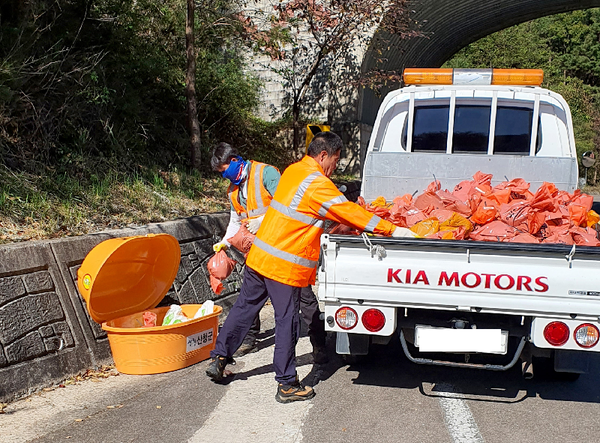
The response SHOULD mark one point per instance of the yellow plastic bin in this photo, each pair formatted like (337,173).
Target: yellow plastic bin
(120,279)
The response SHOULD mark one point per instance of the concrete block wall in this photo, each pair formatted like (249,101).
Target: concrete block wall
(46,333)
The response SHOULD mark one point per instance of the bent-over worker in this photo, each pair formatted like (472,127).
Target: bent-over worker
(252,187)
(283,259)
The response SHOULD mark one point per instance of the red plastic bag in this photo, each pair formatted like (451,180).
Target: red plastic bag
(500,196)
(577,214)
(242,240)
(452,203)
(494,231)
(485,213)
(543,199)
(524,238)
(517,185)
(585,236)
(428,200)
(412,215)
(220,266)
(558,234)
(441,214)
(522,216)
(149,319)
(341,229)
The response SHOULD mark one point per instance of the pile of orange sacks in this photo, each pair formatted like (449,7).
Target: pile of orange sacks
(507,212)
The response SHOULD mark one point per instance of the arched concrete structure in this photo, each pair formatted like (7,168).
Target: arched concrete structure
(449,25)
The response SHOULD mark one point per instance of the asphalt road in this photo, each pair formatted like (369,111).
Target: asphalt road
(384,398)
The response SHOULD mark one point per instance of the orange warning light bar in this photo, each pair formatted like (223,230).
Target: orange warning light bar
(449,76)
(528,77)
(418,76)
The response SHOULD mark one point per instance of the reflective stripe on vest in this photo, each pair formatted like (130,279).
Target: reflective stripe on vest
(372,223)
(324,209)
(233,198)
(255,203)
(285,255)
(260,207)
(302,189)
(302,218)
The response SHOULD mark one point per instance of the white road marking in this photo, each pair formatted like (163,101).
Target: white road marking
(248,412)
(457,416)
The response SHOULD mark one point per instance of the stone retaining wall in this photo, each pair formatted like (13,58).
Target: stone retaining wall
(46,334)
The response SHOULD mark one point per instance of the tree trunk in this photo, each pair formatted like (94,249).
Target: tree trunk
(190,89)
(296,126)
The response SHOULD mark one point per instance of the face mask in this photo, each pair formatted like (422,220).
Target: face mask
(235,172)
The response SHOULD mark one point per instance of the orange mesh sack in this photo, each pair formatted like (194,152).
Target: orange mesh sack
(242,240)
(220,266)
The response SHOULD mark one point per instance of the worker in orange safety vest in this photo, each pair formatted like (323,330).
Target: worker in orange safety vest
(250,193)
(284,257)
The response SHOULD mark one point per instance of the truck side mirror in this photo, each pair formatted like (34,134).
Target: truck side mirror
(588,159)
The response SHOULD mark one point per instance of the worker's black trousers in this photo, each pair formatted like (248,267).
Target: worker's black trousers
(286,304)
(310,313)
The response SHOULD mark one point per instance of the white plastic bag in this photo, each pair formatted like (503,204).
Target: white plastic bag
(207,308)
(174,315)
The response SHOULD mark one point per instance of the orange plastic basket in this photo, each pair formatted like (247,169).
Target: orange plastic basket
(120,279)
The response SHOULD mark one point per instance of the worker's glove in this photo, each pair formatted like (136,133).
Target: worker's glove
(403,232)
(254,224)
(219,246)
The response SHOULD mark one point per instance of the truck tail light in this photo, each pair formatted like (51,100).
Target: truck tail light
(449,76)
(346,318)
(373,320)
(586,335)
(556,333)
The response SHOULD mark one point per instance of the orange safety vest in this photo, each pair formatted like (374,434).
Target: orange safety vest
(258,198)
(286,247)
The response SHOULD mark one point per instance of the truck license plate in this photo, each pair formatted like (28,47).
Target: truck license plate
(489,341)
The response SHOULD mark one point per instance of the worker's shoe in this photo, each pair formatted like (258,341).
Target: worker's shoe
(294,392)
(320,356)
(246,348)
(217,367)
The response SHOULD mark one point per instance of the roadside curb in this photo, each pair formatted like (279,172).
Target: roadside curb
(46,333)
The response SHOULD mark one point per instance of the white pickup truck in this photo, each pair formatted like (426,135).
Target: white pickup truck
(466,303)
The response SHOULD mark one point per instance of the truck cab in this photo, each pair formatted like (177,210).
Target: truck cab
(451,123)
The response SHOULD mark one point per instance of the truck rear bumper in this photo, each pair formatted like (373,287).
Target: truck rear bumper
(490,367)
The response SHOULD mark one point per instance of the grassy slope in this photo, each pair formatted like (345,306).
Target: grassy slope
(37,207)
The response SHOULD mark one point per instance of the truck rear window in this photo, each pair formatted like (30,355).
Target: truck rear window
(472,129)
(430,131)
(513,131)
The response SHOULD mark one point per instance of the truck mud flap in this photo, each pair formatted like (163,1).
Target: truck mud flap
(427,361)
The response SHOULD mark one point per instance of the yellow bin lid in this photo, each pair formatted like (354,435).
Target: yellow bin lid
(122,276)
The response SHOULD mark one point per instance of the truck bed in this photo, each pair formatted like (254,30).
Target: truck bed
(507,278)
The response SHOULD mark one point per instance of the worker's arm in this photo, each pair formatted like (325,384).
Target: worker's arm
(270,178)
(328,202)
(235,223)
